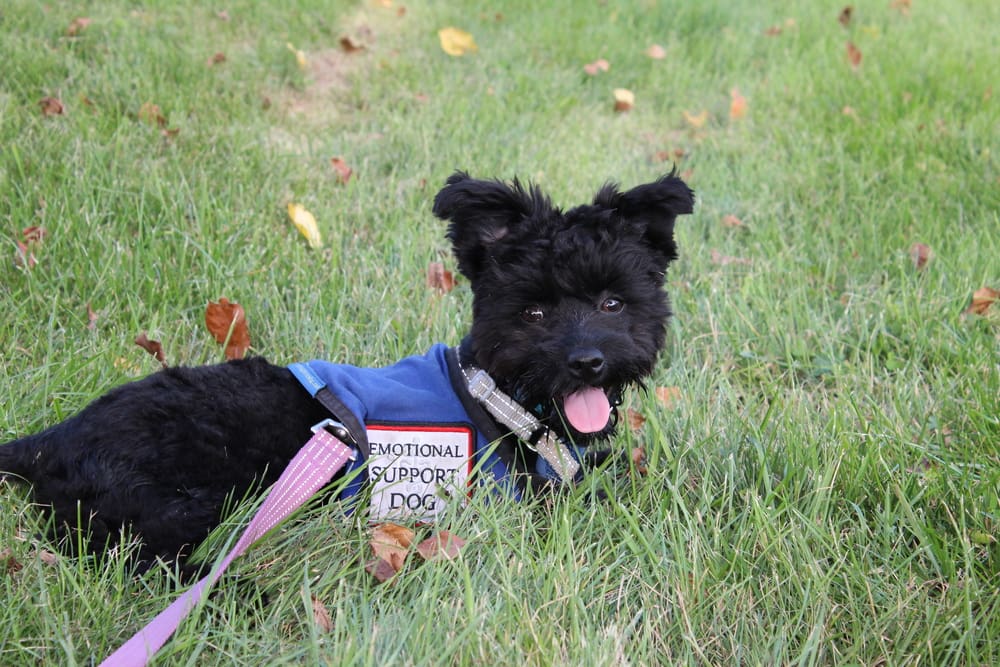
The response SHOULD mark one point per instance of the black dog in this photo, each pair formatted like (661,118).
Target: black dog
(569,309)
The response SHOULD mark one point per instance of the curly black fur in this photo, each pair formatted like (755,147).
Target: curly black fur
(562,300)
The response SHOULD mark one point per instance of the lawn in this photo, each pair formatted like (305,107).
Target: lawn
(821,482)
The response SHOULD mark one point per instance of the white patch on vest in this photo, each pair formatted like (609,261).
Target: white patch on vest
(414,470)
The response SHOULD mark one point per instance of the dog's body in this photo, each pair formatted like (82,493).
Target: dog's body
(568,310)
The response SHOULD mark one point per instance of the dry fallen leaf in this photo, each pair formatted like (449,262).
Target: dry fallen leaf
(77,26)
(696,121)
(902,6)
(725,260)
(300,56)
(441,545)
(321,617)
(737,104)
(599,65)
(982,300)
(391,542)
(217,58)
(47,557)
(439,278)
(51,106)
(34,234)
(639,460)
(853,55)
(773,31)
(343,171)
(656,52)
(153,347)
(668,396)
(91,318)
(380,569)
(456,42)
(227,322)
(845,15)
(350,44)
(920,253)
(635,419)
(624,99)
(731,221)
(306,224)
(150,113)
(10,564)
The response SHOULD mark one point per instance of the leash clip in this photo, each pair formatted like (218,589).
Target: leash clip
(338,431)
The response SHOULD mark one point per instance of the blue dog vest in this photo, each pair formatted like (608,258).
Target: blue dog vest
(424,444)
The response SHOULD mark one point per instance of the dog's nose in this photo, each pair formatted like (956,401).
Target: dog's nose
(586,364)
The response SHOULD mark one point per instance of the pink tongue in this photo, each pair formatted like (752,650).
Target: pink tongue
(587,410)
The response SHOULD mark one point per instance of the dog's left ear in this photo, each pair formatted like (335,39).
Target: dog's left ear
(651,209)
(482,213)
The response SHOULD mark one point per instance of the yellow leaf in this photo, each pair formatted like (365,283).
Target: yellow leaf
(306,224)
(696,121)
(456,42)
(300,56)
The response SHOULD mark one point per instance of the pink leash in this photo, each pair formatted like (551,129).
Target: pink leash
(313,466)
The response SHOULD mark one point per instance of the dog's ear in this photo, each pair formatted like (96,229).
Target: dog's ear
(651,209)
(481,213)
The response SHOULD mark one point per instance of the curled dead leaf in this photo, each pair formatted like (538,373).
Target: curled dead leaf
(624,99)
(154,347)
(901,6)
(656,52)
(982,300)
(34,234)
(380,569)
(698,120)
(920,254)
(306,224)
(217,58)
(227,322)
(845,15)
(725,260)
(351,44)
(853,55)
(391,542)
(150,113)
(91,318)
(456,42)
(668,396)
(639,461)
(731,221)
(635,419)
(340,167)
(51,106)
(321,616)
(440,278)
(300,56)
(441,545)
(77,26)
(599,65)
(737,105)
(9,562)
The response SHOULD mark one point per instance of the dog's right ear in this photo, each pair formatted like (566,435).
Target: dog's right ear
(481,213)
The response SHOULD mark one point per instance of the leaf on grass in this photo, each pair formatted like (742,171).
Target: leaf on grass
(48,557)
(217,58)
(599,65)
(77,26)
(300,56)
(737,104)
(34,234)
(772,31)
(23,257)
(340,167)
(391,542)
(982,300)
(901,6)
(635,419)
(726,260)
(321,617)
(440,278)
(698,120)
(51,106)
(441,545)
(153,347)
(624,99)
(731,221)
(668,396)
(351,44)
(845,15)
(10,564)
(920,253)
(380,569)
(150,113)
(227,322)
(306,224)
(456,42)
(91,318)
(639,460)
(656,52)
(853,55)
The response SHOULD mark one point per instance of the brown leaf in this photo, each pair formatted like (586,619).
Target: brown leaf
(350,44)
(439,278)
(772,31)
(34,234)
(380,569)
(656,52)
(599,65)
(725,260)
(639,460)
(153,347)
(668,396)
(441,545)
(845,15)
(9,563)
(635,419)
(737,105)
(150,113)
(731,221)
(91,318)
(624,99)
(217,58)
(982,300)
(391,542)
(23,256)
(222,15)
(48,557)
(51,106)
(853,55)
(227,322)
(901,6)
(321,617)
(343,171)
(920,253)
(77,26)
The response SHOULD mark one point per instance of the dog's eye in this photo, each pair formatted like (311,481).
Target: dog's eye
(532,314)
(612,305)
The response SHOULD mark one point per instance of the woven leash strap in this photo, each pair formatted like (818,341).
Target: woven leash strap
(313,466)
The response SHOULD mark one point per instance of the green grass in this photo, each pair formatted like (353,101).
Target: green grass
(826,490)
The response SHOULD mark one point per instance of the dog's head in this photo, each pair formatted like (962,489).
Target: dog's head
(568,307)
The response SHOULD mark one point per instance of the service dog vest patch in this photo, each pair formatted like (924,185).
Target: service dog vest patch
(415,469)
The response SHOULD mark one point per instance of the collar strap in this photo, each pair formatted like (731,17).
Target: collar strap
(522,423)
